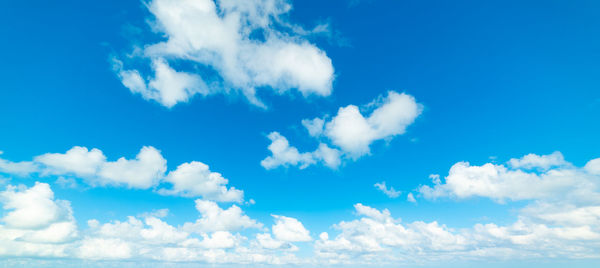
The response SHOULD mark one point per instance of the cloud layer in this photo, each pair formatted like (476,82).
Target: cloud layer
(561,218)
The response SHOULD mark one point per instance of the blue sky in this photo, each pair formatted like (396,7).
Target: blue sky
(424,86)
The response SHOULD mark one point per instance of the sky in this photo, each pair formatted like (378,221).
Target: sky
(280,133)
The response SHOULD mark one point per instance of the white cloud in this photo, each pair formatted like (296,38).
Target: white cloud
(195,179)
(142,172)
(219,239)
(289,229)
(23,168)
(78,161)
(354,133)
(104,248)
(536,161)
(376,232)
(265,240)
(219,37)
(411,198)
(349,130)
(500,183)
(167,87)
(147,170)
(593,166)
(213,218)
(391,192)
(284,155)
(35,224)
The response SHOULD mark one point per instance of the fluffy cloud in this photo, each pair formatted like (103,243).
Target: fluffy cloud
(353,132)
(215,218)
(195,179)
(35,224)
(544,162)
(350,131)
(500,182)
(142,172)
(147,170)
(239,45)
(282,154)
(289,229)
(391,192)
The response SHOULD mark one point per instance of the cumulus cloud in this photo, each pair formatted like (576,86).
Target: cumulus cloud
(195,179)
(348,134)
(501,183)
(142,172)
(235,45)
(289,229)
(34,223)
(390,116)
(215,218)
(146,170)
(282,154)
(391,192)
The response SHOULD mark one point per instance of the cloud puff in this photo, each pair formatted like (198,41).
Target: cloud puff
(289,229)
(391,192)
(350,131)
(282,154)
(35,224)
(147,170)
(142,172)
(500,182)
(353,132)
(215,218)
(195,179)
(544,162)
(239,45)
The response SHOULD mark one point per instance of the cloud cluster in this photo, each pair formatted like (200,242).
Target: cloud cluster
(37,225)
(349,132)
(561,219)
(34,223)
(233,45)
(147,170)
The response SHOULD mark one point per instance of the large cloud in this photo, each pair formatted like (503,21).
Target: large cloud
(236,44)
(34,223)
(350,131)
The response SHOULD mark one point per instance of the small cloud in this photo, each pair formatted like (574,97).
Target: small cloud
(411,198)
(391,192)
